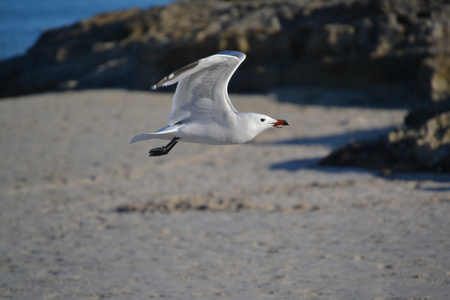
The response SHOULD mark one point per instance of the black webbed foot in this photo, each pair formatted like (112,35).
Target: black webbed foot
(158,151)
(164,150)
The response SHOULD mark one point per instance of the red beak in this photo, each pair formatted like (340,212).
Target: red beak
(280,123)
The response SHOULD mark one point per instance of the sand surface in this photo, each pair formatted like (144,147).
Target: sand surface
(85,215)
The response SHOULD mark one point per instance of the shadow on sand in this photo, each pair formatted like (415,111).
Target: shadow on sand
(388,97)
(339,140)
(313,164)
(336,140)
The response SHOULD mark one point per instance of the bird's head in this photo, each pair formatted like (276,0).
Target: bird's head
(250,125)
(262,122)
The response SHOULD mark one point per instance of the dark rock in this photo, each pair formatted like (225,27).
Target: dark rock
(346,43)
(420,114)
(407,149)
(434,76)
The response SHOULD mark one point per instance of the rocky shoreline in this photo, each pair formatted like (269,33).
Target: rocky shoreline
(415,147)
(344,43)
(400,48)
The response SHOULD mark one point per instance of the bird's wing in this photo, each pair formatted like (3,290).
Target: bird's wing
(201,93)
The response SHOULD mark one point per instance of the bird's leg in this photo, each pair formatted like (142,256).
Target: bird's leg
(164,149)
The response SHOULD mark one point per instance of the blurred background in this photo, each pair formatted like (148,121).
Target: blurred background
(395,52)
(384,45)
(363,83)
(22,21)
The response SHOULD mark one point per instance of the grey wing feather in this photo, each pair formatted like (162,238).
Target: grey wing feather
(175,76)
(202,87)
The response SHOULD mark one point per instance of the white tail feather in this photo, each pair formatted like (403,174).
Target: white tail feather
(142,137)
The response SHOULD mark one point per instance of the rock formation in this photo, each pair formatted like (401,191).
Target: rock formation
(345,43)
(421,146)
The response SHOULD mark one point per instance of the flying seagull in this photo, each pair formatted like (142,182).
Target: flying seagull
(201,109)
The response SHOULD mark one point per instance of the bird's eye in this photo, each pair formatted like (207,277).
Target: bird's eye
(262,119)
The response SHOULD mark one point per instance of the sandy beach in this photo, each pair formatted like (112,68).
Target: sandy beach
(85,215)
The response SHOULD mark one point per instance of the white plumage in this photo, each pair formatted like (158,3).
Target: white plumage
(201,108)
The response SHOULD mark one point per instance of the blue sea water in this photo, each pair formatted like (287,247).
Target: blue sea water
(22,21)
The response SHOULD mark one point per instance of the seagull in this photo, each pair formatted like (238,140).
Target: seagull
(201,109)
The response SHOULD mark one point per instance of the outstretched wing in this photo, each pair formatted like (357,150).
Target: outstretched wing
(202,88)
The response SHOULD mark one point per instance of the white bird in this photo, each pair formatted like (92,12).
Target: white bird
(201,109)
